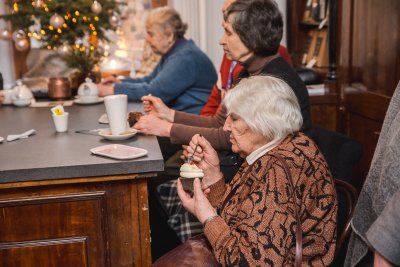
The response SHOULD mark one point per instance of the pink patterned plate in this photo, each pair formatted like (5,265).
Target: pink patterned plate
(117,151)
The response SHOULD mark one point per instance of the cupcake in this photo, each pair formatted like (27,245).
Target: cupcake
(133,117)
(188,173)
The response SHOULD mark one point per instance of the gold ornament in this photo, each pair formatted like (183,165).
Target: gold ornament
(22,44)
(38,4)
(56,21)
(5,34)
(115,20)
(96,7)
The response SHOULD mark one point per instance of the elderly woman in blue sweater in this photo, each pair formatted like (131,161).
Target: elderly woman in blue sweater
(185,75)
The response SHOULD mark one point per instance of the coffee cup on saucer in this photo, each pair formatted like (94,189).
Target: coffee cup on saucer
(88,91)
(117,108)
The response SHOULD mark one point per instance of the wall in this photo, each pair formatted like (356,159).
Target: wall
(204,19)
(6,56)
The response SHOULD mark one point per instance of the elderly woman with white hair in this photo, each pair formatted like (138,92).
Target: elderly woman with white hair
(184,76)
(252,220)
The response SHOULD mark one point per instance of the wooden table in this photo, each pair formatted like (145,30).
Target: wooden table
(62,206)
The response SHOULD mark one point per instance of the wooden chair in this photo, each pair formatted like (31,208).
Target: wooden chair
(347,200)
(341,153)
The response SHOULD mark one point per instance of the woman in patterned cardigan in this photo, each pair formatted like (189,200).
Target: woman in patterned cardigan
(251,221)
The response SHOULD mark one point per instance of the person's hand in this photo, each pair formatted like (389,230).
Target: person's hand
(154,105)
(184,156)
(198,205)
(205,157)
(1,97)
(105,89)
(150,124)
(110,80)
(380,261)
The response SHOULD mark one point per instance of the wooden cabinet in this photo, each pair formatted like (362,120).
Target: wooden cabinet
(363,71)
(369,69)
(101,221)
(307,41)
(309,35)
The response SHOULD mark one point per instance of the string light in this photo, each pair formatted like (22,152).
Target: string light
(74,20)
(15,7)
(77,13)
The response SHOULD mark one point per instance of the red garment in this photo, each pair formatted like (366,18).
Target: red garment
(214,100)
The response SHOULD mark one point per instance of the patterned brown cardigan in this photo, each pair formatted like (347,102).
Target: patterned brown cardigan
(257,225)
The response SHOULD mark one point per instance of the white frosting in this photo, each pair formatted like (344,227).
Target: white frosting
(190,171)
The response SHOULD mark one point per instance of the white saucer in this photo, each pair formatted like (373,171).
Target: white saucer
(81,101)
(1,139)
(103,118)
(117,151)
(107,134)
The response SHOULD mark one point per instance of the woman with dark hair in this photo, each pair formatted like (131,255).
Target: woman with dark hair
(255,46)
(185,75)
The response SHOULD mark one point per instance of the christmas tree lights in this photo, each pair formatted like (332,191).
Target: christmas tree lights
(75,28)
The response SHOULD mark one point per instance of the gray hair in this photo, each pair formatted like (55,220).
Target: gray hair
(167,18)
(267,105)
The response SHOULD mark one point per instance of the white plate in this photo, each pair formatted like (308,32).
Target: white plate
(1,139)
(80,101)
(103,118)
(117,151)
(108,135)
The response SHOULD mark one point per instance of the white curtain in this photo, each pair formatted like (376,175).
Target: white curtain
(193,13)
(204,20)
(6,56)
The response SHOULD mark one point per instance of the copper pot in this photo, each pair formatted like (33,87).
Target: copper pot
(59,88)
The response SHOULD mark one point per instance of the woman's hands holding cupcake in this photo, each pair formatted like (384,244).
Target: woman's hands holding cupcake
(205,157)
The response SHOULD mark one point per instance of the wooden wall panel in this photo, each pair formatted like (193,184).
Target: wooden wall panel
(375,45)
(369,69)
(111,218)
(60,252)
(365,114)
(32,219)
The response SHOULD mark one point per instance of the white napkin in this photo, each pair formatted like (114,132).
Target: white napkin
(12,137)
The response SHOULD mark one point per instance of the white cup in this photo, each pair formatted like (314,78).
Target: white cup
(8,96)
(61,122)
(117,109)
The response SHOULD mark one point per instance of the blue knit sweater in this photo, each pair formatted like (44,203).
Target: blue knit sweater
(183,79)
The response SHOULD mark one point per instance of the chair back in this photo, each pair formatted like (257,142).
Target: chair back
(340,151)
(347,200)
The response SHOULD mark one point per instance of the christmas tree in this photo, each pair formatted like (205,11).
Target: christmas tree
(76,29)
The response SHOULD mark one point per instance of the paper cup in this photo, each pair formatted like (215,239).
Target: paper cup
(61,122)
(187,183)
(117,109)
